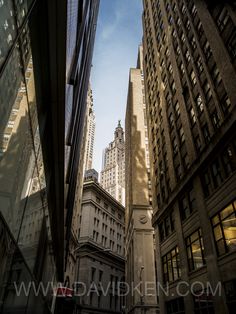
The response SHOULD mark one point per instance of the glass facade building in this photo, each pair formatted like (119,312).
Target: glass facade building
(45,59)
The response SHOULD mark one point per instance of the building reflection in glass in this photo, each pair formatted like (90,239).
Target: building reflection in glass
(25,242)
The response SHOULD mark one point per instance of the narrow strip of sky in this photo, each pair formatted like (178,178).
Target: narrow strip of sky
(119,33)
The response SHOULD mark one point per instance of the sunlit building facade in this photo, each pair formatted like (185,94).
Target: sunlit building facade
(139,239)
(190,75)
(43,90)
(113,166)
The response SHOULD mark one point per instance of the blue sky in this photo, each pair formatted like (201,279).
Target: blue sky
(119,33)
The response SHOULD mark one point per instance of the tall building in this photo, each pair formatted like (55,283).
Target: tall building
(113,167)
(101,265)
(190,75)
(90,131)
(139,245)
(43,90)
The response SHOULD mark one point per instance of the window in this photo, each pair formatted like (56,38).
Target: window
(170,69)
(193,43)
(199,65)
(216,75)
(206,183)
(105,205)
(225,104)
(199,29)
(178,50)
(162,231)
(187,204)
(182,68)
(171,267)
(193,11)
(175,146)
(183,9)
(224,228)
(232,45)
(207,50)
(185,160)
(228,161)
(100,275)
(181,135)
(199,103)
(166,227)
(171,121)
(206,133)
(222,19)
(207,90)
(216,174)
(167,52)
(178,172)
(93,272)
(183,38)
(215,120)
(175,306)
(178,21)
(195,250)
(192,200)
(230,291)
(192,116)
(173,88)
(184,208)
(188,26)
(188,57)
(203,302)
(193,78)
(177,109)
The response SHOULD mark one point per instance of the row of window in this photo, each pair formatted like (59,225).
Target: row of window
(105,216)
(195,256)
(226,27)
(203,304)
(104,241)
(187,205)
(219,170)
(224,231)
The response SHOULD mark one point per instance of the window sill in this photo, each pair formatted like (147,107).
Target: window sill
(226,255)
(198,271)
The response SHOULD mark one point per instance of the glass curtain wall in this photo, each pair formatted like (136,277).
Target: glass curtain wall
(25,238)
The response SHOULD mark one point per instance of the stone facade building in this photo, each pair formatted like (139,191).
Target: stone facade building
(140,262)
(113,168)
(190,75)
(101,263)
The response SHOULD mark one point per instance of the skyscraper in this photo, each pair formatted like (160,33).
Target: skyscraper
(190,75)
(113,168)
(139,245)
(90,131)
(43,89)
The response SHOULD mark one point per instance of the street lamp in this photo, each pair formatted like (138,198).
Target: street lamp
(141,287)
